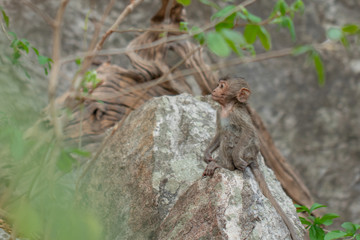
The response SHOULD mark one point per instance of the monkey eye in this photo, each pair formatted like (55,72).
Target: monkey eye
(221,85)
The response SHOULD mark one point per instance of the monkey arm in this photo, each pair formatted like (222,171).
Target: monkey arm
(214,144)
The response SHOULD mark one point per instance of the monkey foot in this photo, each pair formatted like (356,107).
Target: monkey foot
(210,169)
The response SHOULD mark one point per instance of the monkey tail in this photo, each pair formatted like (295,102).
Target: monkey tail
(265,190)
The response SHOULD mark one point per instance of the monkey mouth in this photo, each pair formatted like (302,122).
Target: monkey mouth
(215,98)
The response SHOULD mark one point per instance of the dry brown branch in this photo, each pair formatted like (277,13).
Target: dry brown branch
(155,43)
(120,19)
(56,68)
(49,20)
(225,64)
(170,30)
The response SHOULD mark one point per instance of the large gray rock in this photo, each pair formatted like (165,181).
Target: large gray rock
(148,181)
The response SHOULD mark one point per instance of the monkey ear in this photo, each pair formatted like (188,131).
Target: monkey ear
(243,95)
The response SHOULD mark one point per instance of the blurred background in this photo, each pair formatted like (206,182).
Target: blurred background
(316,128)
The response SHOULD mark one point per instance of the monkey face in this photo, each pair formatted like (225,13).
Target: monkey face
(230,91)
(219,93)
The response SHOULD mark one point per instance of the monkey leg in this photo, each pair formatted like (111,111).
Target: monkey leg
(238,160)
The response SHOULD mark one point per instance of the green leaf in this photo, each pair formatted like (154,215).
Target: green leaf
(350,28)
(43,60)
(227,23)
(280,7)
(184,2)
(78,61)
(36,51)
(316,205)
(241,15)
(300,208)
(319,67)
(250,33)
(265,38)
(345,41)
(223,12)
(16,55)
(327,219)
(79,152)
(334,34)
(234,40)
(286,22)
(358,237)
(210,3)
(290,25)
(302,49)
(183,26)
(253,18)
(23,45)
(5,17)
(304,221)
(12,34)
(14,43)
(298,6)
(350,227)
(357,226)
(200,36)
(217,44)
(316,233)
(65,162)
(334,235)
(250,48)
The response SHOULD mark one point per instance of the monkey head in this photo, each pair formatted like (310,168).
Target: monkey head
(230,90)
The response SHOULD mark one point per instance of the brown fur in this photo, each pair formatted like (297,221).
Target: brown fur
(237,139)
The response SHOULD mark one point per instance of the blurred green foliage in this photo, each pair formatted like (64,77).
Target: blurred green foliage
(316,229)
(37,171)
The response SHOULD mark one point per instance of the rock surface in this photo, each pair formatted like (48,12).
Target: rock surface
(148,181)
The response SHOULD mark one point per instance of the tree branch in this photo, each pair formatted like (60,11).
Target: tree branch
(56,68)
(42,14)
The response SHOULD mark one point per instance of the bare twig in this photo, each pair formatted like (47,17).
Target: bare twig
(170,30)
(90,55)
(147,85)
(4,30)
(56,68)
(41,13)
(119,20)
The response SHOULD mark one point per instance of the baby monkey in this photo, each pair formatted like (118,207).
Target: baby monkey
(237,138)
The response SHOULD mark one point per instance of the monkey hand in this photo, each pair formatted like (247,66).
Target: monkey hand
(210,169)
(208,158)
